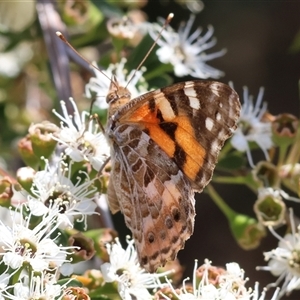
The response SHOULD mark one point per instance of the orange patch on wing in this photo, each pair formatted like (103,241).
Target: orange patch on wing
(161,139)
(185,138)
(143,114)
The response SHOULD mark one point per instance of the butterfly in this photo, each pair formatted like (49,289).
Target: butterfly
(164,148)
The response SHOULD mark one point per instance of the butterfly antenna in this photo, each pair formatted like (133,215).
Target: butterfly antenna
(61,36)
(167,21)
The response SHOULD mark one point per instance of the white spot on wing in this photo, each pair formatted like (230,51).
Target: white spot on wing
(192,95)
(215,88)
(194,103)
(218,117)
(165,107)
(209,123)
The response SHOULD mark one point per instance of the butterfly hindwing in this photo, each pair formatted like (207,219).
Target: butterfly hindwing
(157,199)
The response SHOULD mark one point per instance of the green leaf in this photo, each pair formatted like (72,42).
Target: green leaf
(107,291)
(139,53)
(232,161)
(60,237)
(107,8)
(160,81)
(92,37)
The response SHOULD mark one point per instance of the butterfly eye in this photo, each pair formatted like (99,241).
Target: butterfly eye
(111,96)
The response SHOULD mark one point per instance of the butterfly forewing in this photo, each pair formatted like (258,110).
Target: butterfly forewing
(164,145)
(190,121)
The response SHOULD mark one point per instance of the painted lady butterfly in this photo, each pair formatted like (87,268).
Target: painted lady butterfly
(164,146)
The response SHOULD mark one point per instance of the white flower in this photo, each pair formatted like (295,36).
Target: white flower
(22,245)
(5,215)
(82,138)
(284,261)
(215,284)
(36,287)
(255,294)
(53,189)
(124,268)
(100,84)
(251,128)
(4,280)
(187,53)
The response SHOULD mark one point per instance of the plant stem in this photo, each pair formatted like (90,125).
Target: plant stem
(228,212)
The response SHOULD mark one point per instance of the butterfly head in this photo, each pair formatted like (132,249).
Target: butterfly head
(117,96)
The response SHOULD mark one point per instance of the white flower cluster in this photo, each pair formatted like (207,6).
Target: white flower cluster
(81,137)
(124,268)
(217,284)
(33,255)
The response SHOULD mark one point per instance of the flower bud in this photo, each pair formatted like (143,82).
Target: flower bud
(74,12)
(247,232)
(41,137)
(269,207)
(101,237)
(26,152)
(25,177)
(6,192)
(74,292)
(284,128)
(266,174)
(85,246)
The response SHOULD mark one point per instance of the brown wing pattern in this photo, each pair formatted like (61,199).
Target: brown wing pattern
(165,145)
(190,121)
(155,198)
